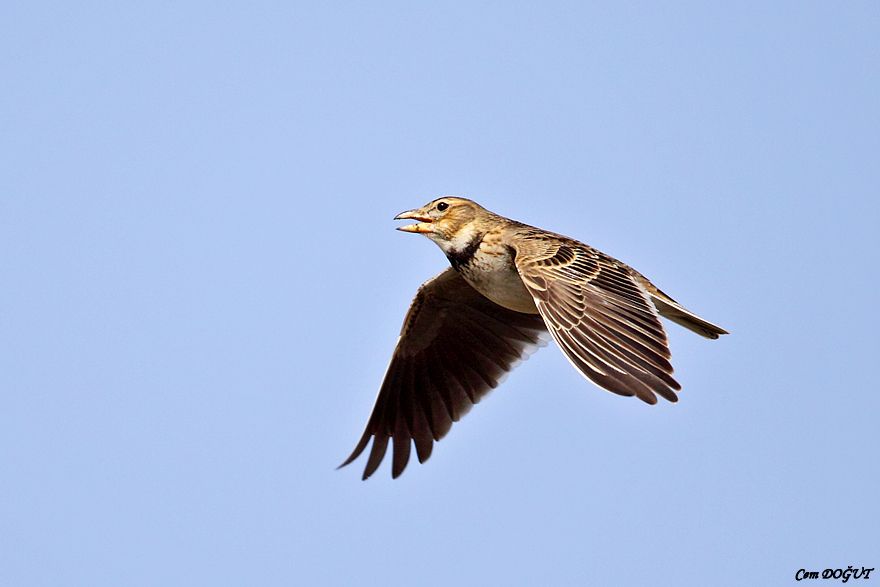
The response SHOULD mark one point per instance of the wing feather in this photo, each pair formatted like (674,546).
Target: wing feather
(600,315)
(455,346)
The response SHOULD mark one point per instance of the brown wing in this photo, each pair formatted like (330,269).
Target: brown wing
(454,347)
(599,314)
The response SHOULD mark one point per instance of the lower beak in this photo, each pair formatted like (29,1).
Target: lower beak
(423,226)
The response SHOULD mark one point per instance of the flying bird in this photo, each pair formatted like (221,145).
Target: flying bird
(508,286)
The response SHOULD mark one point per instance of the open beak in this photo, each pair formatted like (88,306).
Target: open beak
(423,225)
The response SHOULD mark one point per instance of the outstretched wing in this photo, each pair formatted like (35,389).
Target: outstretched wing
(600,315)
(454,347)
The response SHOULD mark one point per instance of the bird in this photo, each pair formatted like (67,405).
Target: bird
(509,288)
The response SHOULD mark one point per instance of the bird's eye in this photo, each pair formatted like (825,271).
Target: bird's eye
(442,206)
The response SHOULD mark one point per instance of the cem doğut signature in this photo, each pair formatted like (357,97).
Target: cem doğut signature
(843,574)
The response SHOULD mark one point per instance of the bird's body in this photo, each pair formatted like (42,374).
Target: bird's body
(489,268)
(508,285)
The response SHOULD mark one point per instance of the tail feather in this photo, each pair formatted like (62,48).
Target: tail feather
(669,308)
(672,310)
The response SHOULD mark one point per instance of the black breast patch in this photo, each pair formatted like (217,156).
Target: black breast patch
(462,258)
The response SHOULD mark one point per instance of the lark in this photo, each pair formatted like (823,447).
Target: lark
(509,289)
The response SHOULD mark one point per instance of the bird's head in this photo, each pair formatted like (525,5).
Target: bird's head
(449,221)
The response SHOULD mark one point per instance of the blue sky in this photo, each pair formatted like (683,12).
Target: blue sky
(202,287)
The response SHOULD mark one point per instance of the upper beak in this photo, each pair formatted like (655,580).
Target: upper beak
(424,224)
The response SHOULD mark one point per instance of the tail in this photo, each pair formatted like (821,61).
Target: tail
(672,310)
